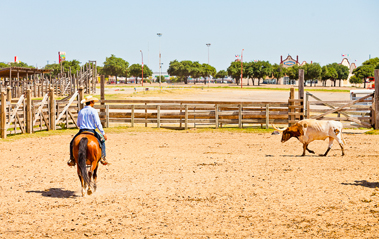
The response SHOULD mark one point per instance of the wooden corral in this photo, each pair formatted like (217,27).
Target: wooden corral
(25,115)
(17,80)
(185,114)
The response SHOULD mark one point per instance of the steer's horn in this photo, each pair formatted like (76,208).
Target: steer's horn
(278,129)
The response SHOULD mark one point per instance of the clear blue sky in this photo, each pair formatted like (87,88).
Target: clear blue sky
(318,31)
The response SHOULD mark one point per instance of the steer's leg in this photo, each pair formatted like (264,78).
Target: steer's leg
(310,151)
(304,148)
(340,142)
(330,146)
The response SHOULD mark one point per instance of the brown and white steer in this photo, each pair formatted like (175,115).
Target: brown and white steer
(309,130)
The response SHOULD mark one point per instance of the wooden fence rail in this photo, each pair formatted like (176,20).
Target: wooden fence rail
(179,113)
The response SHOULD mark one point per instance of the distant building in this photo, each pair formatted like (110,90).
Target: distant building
(289,61)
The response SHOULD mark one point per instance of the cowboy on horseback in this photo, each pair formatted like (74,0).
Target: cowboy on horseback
(88,121)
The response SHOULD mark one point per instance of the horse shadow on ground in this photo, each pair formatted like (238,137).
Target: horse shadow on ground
(299,156)
(363,183)
(56,193)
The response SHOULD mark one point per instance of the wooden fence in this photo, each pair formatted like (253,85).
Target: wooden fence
(352,113)
(17,80)
(185,114)
(25,115)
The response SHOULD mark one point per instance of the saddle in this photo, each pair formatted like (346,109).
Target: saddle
(91,133)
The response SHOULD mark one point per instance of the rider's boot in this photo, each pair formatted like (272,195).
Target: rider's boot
(104,161)
(71,162)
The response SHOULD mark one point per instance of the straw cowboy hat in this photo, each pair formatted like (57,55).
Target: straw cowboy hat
(89,99)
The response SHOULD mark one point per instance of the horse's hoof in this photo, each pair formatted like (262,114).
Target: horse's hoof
(89,192)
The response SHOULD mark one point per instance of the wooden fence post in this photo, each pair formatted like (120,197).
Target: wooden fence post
(3,115)
(376,99)
(145,114)
(306,108)
(216,115)
(9,93)
(308,112)
(240,116)
(186,117)
(301,91)
(81,97)
(52,109)
(267,115)
(291,118)
(102,92)
(180,117)
(132,119)
(107,116)
(158,116)
(29,120)
(66,119)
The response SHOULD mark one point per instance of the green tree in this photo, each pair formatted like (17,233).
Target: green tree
(180,69)
(20,64)
(234,71)
(342,72)
(74,65)
(278,71)
(163,79)
(311,72)
(3,65)
(207,71)
(324,75)
(196,71)
(332,75)
(174,79)
(99,70)
(115,66)
(260,70)
(355,80)
(372,62)
(364,71)
(222,74)
(174,68)
(293,72)
(136,71)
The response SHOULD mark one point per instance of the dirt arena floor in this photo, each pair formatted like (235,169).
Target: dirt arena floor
(192,185)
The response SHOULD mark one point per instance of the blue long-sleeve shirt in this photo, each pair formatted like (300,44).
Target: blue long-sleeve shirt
(88,118)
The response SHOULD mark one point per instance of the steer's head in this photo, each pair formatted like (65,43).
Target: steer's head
(295,130)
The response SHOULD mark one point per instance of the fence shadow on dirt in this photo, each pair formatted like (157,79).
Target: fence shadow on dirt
(56,193)
(363,183)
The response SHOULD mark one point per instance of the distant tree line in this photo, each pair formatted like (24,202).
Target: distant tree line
(257,71)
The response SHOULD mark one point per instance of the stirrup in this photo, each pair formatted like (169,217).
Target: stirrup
(71,162)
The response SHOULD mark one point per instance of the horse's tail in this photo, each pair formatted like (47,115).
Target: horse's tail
(82,161)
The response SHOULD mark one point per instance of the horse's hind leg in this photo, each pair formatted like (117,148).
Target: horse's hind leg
(95,178)
(82,183)
(89,190)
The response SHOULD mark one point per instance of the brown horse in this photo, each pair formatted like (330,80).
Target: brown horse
(86,151)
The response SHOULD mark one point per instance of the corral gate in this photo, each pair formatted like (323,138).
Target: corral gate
(353,113)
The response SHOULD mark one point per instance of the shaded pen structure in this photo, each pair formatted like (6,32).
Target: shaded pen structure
(18,79)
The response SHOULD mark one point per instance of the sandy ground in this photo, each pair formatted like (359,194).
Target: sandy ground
(229,94)
(192,185)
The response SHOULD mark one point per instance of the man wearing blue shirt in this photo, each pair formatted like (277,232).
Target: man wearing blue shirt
(88,120)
